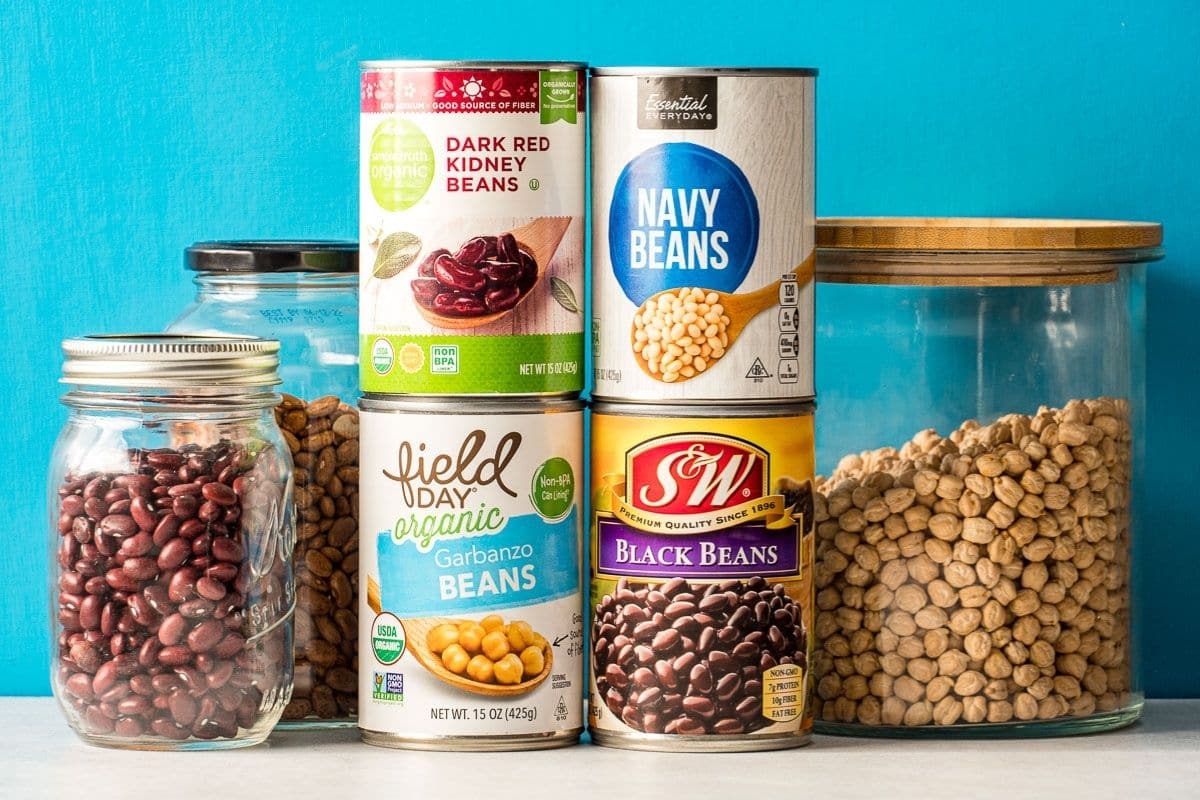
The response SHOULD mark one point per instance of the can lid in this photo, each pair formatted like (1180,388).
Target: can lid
(444,64)
(676,71)
(250,256)
(157,360)
(980,250)
(473,405)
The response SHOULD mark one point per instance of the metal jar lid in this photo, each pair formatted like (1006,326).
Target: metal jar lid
(980,251)
(248,256)
(169,361)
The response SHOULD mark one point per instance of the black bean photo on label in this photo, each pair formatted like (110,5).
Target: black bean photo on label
(687,659)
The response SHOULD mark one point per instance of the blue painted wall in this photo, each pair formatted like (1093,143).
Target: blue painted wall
(128,131)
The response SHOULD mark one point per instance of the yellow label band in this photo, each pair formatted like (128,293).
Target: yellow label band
(772,508)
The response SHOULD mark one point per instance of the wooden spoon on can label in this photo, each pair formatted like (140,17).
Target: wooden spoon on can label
(655,335)
(470,290)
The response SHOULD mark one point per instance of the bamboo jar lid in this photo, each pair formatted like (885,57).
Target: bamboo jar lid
(952,251)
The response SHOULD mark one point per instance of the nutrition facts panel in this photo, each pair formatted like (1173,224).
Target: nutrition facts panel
(788,370)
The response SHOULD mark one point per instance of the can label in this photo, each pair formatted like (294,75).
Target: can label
(702,237)
(701,595)
(470,624)
(472,230)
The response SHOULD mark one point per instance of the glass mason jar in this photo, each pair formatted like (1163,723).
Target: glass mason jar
(981,385)
(305,295)
(171,542)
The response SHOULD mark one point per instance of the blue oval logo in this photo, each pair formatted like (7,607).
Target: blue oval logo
(681,215)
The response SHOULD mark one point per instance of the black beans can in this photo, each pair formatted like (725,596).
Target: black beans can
(701,581)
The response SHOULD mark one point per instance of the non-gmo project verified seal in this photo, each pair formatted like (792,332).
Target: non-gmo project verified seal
(443,359)
(388,686)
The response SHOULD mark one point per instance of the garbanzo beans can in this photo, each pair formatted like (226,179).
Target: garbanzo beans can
(470,611)
(471,227)
(701,603)
(702,234)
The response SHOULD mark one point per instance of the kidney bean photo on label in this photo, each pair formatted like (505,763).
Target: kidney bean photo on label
(488,274)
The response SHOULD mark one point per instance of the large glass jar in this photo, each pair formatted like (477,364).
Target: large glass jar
(305,295)
(171,542)
(981,412)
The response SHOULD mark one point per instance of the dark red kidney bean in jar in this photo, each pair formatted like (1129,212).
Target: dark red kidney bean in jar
(488,274)
(155,594)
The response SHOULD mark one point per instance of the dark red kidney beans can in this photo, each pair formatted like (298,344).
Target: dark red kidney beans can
(472,228)
(701,606)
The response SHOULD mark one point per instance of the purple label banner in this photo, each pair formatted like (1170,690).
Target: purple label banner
(746,550)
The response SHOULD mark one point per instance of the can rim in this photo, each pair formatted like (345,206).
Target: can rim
(468,406)
(688,403)
(439,64)
(707,411)
(671,71)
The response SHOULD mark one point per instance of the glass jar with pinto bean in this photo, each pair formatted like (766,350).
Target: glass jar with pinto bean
(171,520)
(305,295)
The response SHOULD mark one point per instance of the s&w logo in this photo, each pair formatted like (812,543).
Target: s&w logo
(687,474)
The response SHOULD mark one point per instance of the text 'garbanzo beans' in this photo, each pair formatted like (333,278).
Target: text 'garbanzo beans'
(680,333)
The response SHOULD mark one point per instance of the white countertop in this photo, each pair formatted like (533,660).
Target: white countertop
(1157,758)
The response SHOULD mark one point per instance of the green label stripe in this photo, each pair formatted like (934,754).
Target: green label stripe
(402,364)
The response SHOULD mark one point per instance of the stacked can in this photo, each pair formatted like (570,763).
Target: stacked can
(701,602)
(471,334)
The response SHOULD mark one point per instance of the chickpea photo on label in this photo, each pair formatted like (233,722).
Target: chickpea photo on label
(488,656)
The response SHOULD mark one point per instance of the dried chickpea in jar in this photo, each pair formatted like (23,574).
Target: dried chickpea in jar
(993,565)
